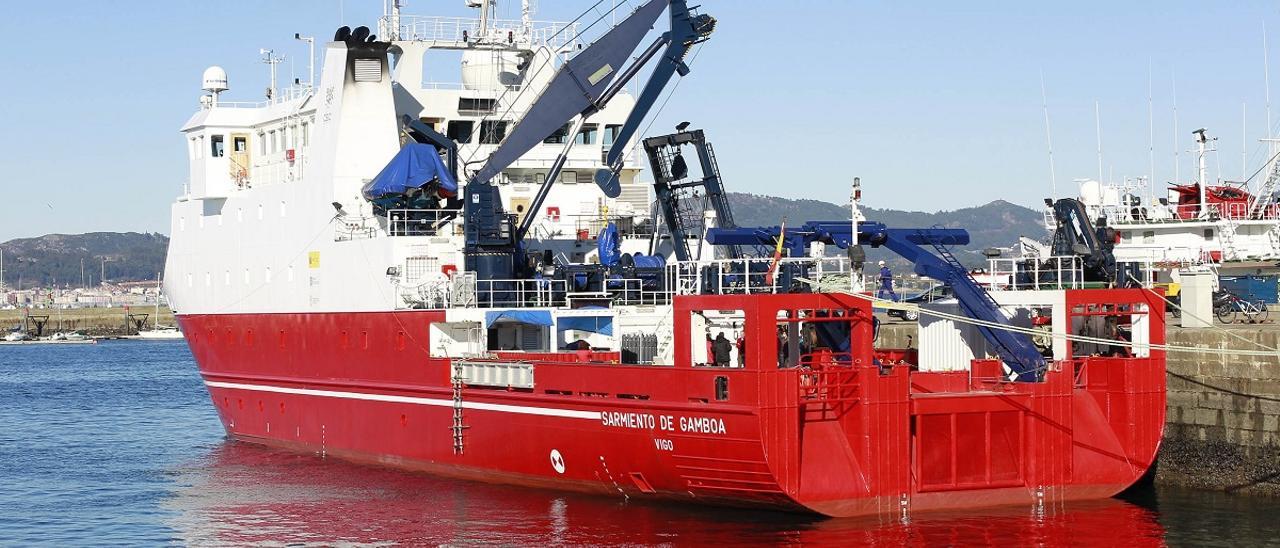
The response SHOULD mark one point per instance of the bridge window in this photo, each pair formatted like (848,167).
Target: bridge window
(1208,234)
(587,136)
(240,144)
(559,137)
(1149,237)
(611,132)
(216,147)
(492,132)
(460,130)
(474,105)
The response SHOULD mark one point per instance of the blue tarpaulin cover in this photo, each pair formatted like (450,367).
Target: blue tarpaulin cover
(415,165)
(608,245)
(595,324)
(533,317)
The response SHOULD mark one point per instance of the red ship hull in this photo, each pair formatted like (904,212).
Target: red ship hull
(837,438)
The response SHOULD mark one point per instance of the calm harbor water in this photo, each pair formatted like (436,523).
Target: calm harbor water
(117,444)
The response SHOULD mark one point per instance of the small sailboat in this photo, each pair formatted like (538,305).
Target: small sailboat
(160,332)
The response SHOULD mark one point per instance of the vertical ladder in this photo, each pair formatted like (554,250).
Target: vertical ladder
(1226,237)
(459,440)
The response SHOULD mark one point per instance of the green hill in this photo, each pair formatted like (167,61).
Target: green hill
(58,258)
(997,224)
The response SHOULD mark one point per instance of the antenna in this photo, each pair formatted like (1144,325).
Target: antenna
(1177,175)
(1048,136)
(1266,76)
(271,59)
(1151,131)
(311,54)
(1244,141)
(1097,120)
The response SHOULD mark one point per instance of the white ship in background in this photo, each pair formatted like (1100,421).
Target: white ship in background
(1230,227)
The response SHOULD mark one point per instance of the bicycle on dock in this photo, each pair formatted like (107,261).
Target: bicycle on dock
(1229,308)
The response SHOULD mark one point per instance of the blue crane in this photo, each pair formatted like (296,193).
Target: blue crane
(581,87)
(1015,349)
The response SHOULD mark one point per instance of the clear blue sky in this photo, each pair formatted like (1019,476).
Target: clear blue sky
(935,105)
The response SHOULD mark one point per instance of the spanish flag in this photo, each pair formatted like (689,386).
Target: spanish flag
(777,254)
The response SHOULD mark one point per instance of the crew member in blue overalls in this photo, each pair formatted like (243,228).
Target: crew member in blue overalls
(886,284)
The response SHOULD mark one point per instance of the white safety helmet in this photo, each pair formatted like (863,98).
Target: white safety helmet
(881,263)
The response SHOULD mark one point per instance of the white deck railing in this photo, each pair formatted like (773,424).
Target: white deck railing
(1117,216)
(450,30)
(419,222)
(750,275)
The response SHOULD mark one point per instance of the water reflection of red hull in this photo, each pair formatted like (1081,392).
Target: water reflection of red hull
(836,439)
(243,494)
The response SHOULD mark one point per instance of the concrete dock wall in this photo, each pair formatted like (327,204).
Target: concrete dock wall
(1223,423)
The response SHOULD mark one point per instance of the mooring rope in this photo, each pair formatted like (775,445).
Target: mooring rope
(894,305)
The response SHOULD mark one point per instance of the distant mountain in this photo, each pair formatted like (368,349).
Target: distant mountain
(997,224)
(57,258)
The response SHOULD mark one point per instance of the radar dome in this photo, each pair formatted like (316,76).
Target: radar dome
(1091,192)
(215,79)
(490,70)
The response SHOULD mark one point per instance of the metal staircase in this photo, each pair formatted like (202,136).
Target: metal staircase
(1264,197)
(1015,349)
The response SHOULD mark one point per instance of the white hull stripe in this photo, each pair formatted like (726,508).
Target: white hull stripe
(524,410)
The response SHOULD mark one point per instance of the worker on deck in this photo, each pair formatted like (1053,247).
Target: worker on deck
(886,284)
(720,349)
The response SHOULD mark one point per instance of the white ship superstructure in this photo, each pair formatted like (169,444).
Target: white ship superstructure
(272,218)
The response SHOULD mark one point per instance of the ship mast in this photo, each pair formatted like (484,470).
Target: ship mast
(526,17)
(1202,169)
(270,58)
(392,30)
(485,6)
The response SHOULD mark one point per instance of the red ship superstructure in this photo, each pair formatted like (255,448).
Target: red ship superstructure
(379,298)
